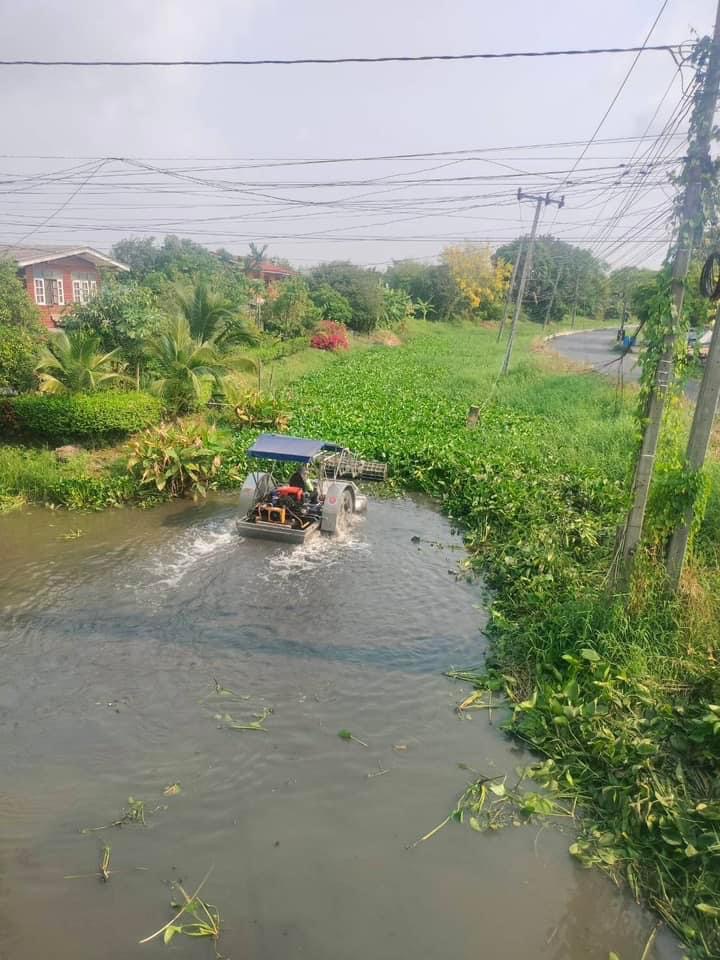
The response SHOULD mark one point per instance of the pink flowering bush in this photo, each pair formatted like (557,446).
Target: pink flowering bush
(330,336)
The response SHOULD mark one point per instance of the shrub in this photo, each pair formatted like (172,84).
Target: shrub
(103,415)
(176,459)
(263,410)
(288,310)
(330,336)
(18,355)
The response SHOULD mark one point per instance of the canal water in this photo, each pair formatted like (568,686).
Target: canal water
(116,632)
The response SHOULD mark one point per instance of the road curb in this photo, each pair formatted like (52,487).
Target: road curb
(574,333)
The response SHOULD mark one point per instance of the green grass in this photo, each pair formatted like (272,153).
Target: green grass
(28,473)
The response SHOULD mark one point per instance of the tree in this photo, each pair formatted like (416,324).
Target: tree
(122,315)
(184,365)
(15,305)
(332,304)
(72,362)
(361,288)
(212,317)
(430,284)
(19,349)
(174,259)
(579,271)
(481,278)
(621,287)
(288,310)
(255,259)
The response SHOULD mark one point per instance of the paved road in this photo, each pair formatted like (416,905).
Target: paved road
(598,349)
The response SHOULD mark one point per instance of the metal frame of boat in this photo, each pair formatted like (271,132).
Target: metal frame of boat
(335,470)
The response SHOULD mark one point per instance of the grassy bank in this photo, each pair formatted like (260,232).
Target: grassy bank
(620,698)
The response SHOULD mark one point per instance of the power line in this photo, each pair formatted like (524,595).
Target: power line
(620,89)
(672,49)
(301,161)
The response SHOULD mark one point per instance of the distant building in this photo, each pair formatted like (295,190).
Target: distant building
(270,272)
(57,277)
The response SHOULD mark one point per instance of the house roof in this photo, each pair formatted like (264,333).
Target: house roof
(28,256)
(266,267)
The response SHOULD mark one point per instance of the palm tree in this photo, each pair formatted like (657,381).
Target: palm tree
(74,361)
(211,317)
(254,260)
(186,364)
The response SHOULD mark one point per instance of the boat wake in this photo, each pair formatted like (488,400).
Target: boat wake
(171,564)
(317,553)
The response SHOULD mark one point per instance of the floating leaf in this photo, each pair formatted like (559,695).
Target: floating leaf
(172,790)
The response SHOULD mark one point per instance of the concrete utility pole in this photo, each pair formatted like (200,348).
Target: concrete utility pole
(540,202)
(508,300)
(697,448)
(696,180)
(552,297)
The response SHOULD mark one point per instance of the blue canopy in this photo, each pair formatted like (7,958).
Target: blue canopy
(274,446)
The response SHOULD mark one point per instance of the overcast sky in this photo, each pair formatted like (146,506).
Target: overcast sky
(174,115)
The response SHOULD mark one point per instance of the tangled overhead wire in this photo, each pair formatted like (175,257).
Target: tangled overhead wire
(710,277)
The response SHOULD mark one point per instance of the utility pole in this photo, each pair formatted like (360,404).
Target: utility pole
(508,300)
(697,448)
(575,300)
(552,297)
(696,177)
(540,202)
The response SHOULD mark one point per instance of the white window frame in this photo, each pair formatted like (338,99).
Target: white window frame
(60,292)
(39,287)
(84,290)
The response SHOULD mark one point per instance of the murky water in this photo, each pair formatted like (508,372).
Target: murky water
(109,646)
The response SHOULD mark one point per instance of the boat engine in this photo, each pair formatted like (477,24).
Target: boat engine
(286,505)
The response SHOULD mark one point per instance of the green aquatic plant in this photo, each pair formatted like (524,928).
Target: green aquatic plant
(346,735)
(194,918)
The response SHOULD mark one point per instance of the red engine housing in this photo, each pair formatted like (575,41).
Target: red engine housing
(296,493)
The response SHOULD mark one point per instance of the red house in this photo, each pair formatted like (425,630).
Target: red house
(270,272)
(57,277)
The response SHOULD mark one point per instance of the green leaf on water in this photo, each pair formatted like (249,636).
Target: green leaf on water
(475,824)
(498,789)
(345,735)
(172,790)
(169,934)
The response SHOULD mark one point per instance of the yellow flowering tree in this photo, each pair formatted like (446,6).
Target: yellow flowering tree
(481,278)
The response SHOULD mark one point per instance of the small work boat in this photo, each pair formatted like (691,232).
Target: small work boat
(321,498)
